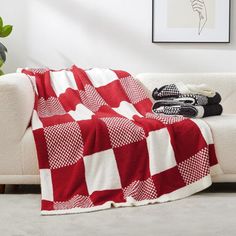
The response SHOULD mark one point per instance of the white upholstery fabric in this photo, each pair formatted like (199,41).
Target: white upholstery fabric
(18,161)
(16,104)
(29,157)
(224,136)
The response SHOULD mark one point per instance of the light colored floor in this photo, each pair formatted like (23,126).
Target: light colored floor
(212,212)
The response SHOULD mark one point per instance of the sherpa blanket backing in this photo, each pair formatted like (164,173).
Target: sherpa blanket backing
(100,146)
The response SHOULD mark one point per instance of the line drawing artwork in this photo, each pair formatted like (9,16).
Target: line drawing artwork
(200,8)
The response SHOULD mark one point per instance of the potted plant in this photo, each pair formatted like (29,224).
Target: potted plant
(5,31)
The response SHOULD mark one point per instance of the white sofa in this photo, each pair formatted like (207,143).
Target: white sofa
(18,160)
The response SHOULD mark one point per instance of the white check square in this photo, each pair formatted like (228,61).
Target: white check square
(46,184)
(62,80)
(101,172)
(101,77)
(161,153)
(127,110)
(36,123)
(81,113)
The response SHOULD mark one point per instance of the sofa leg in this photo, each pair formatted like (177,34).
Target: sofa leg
(2,188)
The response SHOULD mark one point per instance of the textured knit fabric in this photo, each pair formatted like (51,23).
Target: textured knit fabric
(202,89)
(188,110)
(100,146)
(173,100)
(194,99)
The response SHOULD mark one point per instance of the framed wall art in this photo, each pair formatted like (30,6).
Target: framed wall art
(200,21)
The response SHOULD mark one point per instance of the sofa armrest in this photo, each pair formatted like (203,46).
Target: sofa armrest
(16,106)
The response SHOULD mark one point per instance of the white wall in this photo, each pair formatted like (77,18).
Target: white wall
(103,33)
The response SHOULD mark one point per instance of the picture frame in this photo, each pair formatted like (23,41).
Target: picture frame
(191,21)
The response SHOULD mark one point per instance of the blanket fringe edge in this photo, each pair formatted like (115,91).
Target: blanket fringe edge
(175,195)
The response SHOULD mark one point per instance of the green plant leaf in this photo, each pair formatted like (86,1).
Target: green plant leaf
(1,72)
(6,30)
(3,51)
(3,48)
(1,23)
(3,56)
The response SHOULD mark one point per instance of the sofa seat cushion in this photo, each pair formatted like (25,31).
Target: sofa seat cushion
(224,134)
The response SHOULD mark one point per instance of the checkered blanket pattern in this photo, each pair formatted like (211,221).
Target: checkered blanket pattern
(100,146)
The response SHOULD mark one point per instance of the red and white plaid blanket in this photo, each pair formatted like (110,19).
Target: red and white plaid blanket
(99,146)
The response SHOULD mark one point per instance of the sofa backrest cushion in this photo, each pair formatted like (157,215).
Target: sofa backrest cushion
(224,83)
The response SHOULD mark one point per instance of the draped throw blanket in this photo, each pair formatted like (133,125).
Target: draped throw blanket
(99,145)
